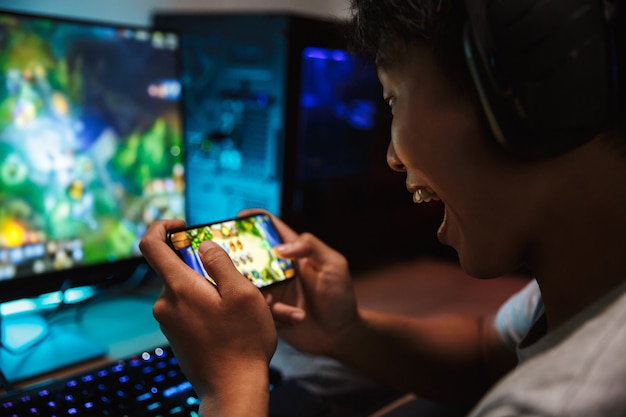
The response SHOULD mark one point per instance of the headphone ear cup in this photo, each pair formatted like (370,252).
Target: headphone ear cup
(543,71)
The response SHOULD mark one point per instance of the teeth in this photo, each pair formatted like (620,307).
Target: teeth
(424,195)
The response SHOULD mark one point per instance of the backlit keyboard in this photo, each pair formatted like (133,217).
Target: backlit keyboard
(149,384)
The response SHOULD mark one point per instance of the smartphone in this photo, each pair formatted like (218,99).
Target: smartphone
(249,241)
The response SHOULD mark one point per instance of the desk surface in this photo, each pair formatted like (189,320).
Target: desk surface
(123,323)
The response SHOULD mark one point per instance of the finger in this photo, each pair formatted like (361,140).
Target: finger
(251,211)
(308,246)
(158,229)
(220,266)
(284,314)
(157,252)
(286,232)
(287,314)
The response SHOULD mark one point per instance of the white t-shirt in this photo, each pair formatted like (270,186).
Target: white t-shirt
(518,314)
(577,370)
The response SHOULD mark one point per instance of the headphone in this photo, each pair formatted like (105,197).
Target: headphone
(545,71)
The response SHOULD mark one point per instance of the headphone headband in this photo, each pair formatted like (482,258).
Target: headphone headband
(545,71)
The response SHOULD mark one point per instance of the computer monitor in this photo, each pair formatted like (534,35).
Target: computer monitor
(234,83)
(91,151)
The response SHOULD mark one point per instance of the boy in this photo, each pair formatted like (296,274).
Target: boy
(509,114)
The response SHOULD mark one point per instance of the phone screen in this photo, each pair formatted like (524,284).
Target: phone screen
(249,241)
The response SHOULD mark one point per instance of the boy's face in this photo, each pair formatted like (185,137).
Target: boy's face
(438,139)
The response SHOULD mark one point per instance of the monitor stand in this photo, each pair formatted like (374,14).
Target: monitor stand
(31,346)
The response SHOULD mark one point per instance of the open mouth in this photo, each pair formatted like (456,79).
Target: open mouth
(424,195)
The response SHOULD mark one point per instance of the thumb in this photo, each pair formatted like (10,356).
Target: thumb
(219,266)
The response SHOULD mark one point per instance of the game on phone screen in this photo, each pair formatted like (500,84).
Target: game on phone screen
(249,241)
